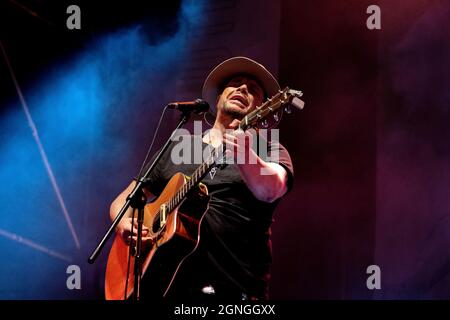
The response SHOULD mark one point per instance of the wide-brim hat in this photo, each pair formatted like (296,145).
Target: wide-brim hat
(235,66)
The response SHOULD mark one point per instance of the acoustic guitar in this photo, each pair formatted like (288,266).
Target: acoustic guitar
(174,218)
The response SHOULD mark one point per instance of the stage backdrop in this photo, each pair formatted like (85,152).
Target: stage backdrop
(78,109)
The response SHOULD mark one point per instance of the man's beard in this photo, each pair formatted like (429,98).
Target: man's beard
(233,112)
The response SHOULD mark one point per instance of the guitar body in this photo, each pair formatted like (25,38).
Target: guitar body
(162,259)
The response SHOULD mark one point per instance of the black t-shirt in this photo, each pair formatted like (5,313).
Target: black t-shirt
(235,236)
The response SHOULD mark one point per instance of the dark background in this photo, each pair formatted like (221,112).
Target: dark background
(370,149)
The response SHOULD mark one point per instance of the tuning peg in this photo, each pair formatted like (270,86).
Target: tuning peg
(264,124)
(296,93)
(276,117)
(298,103)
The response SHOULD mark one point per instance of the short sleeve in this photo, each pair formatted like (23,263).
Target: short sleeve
(277,153)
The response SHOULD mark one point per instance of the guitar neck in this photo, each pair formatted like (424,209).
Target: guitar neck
(262,111)
(193,180)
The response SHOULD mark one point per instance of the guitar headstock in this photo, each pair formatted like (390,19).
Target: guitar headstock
(268,115)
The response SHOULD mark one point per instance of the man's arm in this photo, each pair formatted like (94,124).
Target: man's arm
(268,187)
(124,226)
(266,180)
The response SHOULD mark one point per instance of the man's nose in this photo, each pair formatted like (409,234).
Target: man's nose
(243,87)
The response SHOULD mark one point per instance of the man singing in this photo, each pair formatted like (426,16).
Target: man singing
(233,259)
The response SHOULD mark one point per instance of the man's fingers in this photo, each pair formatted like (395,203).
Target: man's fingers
(131,241)
(128,232)
(230,144)
(240,137)
(126,235)
(235,123)
(144,228)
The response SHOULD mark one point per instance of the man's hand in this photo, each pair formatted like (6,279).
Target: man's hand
(266,180)
(239,145)
(124,227)
(124,230)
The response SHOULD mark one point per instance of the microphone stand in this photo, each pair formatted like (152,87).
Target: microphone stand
(136,199)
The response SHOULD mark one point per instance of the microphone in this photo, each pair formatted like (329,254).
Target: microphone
(198,106)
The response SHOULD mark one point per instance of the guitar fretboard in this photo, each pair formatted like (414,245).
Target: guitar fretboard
(195,178)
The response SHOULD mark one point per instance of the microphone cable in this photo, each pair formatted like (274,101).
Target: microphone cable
(153,141)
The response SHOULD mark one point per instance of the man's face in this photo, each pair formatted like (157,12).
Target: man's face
(240,96)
